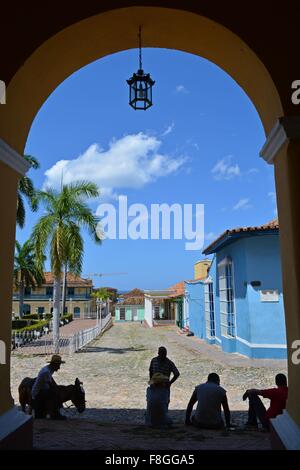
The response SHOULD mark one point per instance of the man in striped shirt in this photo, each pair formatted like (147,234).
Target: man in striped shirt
(164,366)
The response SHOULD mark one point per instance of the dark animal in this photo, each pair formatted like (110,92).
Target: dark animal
(75,393)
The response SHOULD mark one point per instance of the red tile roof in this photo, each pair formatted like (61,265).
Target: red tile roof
(134,293)
(72,280)
(272,225)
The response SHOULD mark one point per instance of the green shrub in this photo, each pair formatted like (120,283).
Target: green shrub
(37,326)
(17,324)
(48,316)
(67,316)
(31,316)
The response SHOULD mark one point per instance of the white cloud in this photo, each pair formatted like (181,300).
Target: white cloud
(210,236)
(272,196)
(181,89)
(169,129)
(129,162)
(224,170)
(242,204)
(253,171)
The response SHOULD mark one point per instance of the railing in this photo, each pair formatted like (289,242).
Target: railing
(81,338)
(32,342)
(49,297)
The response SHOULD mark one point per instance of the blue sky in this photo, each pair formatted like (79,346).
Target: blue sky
(199,143)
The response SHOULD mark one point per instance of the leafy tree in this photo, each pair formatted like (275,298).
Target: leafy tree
(27,273)
(26,188)
(59,232)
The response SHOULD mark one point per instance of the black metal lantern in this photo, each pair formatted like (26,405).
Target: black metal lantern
(140,85)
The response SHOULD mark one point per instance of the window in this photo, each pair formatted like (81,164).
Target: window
(209,310)
(156,312)
(49,291)
(41,310)
(71,291)
(76,312)
(122,313)
(227,310)
(27,291)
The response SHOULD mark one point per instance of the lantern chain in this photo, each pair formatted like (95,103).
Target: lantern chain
(140,47)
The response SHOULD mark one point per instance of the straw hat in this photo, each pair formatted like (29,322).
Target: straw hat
(56,359)
(158,378)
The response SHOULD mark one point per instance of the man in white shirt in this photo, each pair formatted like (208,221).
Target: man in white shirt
(210,396)
(45,390)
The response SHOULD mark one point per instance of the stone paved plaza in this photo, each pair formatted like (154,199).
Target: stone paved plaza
(114,371)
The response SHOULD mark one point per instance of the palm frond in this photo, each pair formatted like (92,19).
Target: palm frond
(33,161)
(82,189)
(20,217)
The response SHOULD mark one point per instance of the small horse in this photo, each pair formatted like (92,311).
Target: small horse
(75,393)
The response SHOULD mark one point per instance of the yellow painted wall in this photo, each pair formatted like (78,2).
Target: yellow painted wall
(70,305)
(201,268)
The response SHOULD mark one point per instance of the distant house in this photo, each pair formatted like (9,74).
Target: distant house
(40,299)
(164,307)
(131,306)
(240,303)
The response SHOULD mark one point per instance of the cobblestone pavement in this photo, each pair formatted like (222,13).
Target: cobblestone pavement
(114,371)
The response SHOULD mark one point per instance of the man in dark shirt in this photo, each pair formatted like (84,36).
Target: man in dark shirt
(164,366)
(277,396)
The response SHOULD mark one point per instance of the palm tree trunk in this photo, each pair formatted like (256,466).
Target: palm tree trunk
(56,312)
(21,299)
(64,291)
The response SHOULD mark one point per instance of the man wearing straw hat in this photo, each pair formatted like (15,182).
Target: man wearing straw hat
(45,390)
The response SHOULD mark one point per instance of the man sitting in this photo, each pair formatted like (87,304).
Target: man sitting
(45,394)
(257,410)
(210,396)
(162,364)
(157,401)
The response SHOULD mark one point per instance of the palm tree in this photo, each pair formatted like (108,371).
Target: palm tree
(26,188)
(102,293)
(59,231)
(26,271)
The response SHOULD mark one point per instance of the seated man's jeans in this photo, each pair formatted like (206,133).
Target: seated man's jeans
(207,425)
(157,407)
(257,411)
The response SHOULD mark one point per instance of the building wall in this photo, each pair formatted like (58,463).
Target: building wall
(128,313)
(201,268)
(260,326)
(258,323)
(34,305)
(195,300)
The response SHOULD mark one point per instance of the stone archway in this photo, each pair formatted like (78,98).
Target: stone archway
(77,44)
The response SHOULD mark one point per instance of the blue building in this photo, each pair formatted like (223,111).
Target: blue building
(240,304)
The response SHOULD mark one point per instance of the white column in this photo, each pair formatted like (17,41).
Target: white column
(282,148)
(148,310)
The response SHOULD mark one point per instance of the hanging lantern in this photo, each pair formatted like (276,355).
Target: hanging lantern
(140,85)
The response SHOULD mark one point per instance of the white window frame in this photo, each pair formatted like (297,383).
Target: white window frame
(227,299)
(209,308)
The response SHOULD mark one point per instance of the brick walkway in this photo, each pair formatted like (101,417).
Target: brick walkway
(44,344)
(114,371)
